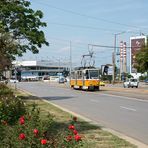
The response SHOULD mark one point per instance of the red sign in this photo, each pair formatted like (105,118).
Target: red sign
(136,44)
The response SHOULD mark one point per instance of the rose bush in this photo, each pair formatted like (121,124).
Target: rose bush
(28,132)
(73,138)
(32,132)
(22,127)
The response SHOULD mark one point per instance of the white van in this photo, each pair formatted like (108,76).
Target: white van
(131,83)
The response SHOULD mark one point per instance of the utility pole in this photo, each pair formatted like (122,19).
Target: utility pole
(114,59)
(114,54)
(70,58)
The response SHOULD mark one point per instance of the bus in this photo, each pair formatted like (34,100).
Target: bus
(85,79)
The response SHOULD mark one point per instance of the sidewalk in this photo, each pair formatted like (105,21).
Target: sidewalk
(142,89)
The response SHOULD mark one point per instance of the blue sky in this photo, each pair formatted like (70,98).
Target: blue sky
(86,22)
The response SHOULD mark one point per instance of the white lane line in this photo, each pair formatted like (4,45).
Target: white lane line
(127,108)
(92,100)
(125,97)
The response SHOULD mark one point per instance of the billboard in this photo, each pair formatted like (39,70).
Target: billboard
(107,69)
(135,43)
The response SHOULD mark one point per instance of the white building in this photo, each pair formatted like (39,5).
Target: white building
(38,69)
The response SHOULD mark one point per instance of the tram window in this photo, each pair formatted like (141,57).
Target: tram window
(79,74)
(86,74)
(93,74)
(73,75)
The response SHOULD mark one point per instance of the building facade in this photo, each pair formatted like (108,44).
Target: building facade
(123,58)
(38,69)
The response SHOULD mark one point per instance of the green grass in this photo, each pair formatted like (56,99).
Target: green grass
(93,135)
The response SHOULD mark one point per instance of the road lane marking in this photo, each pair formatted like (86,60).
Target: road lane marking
(125,97)
(127,108)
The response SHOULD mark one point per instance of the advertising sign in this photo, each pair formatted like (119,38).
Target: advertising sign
(107,69)
(136,44)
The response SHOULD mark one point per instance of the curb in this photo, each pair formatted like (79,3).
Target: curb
(116,133)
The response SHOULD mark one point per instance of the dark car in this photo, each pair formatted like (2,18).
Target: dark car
(61,80)
(146,81)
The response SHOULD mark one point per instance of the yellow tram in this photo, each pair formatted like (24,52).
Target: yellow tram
(85,79)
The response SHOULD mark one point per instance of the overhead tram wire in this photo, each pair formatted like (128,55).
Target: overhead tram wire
(97,45)
(91,17)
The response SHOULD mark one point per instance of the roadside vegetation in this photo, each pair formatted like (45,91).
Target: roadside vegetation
(20,31)
(27,121)
(142,59)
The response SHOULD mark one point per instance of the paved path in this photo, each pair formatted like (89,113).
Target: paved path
(121,113)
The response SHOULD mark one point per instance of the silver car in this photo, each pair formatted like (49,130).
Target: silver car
(131,83)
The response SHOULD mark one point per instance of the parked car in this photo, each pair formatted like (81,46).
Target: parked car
(146,81)
(102,83)
(131,83)
(61,79)
(13,80)
(4,81)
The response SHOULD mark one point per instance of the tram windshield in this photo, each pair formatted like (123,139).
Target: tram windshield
(93,74)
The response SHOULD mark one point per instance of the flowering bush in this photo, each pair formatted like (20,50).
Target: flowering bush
(73,138)
(21,127)
(11,107)
(29,131)
(32,132)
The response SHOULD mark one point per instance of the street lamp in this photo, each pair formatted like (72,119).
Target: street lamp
(70,58)
(114,54)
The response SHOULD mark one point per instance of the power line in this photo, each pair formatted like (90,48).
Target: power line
(98,45)
(91,17)
(113,46)
(85,27)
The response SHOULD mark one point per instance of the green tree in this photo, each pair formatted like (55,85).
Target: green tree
(20,25)
(142,59)
(6,43)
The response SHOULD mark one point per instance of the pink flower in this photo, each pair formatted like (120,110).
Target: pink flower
(35,131)
(22,121)
(43,141)
(22,136)
(72,127)
(22,117)
(75,132)
(77,137)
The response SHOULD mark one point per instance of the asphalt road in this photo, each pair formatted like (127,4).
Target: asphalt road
(121,113)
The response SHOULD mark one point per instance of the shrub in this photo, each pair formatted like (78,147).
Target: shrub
(28,132)
(32,132)
(22,127)
(11,107)
(72,138)
(5,91)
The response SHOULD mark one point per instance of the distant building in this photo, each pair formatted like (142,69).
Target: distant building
(123,58)
(38,69)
